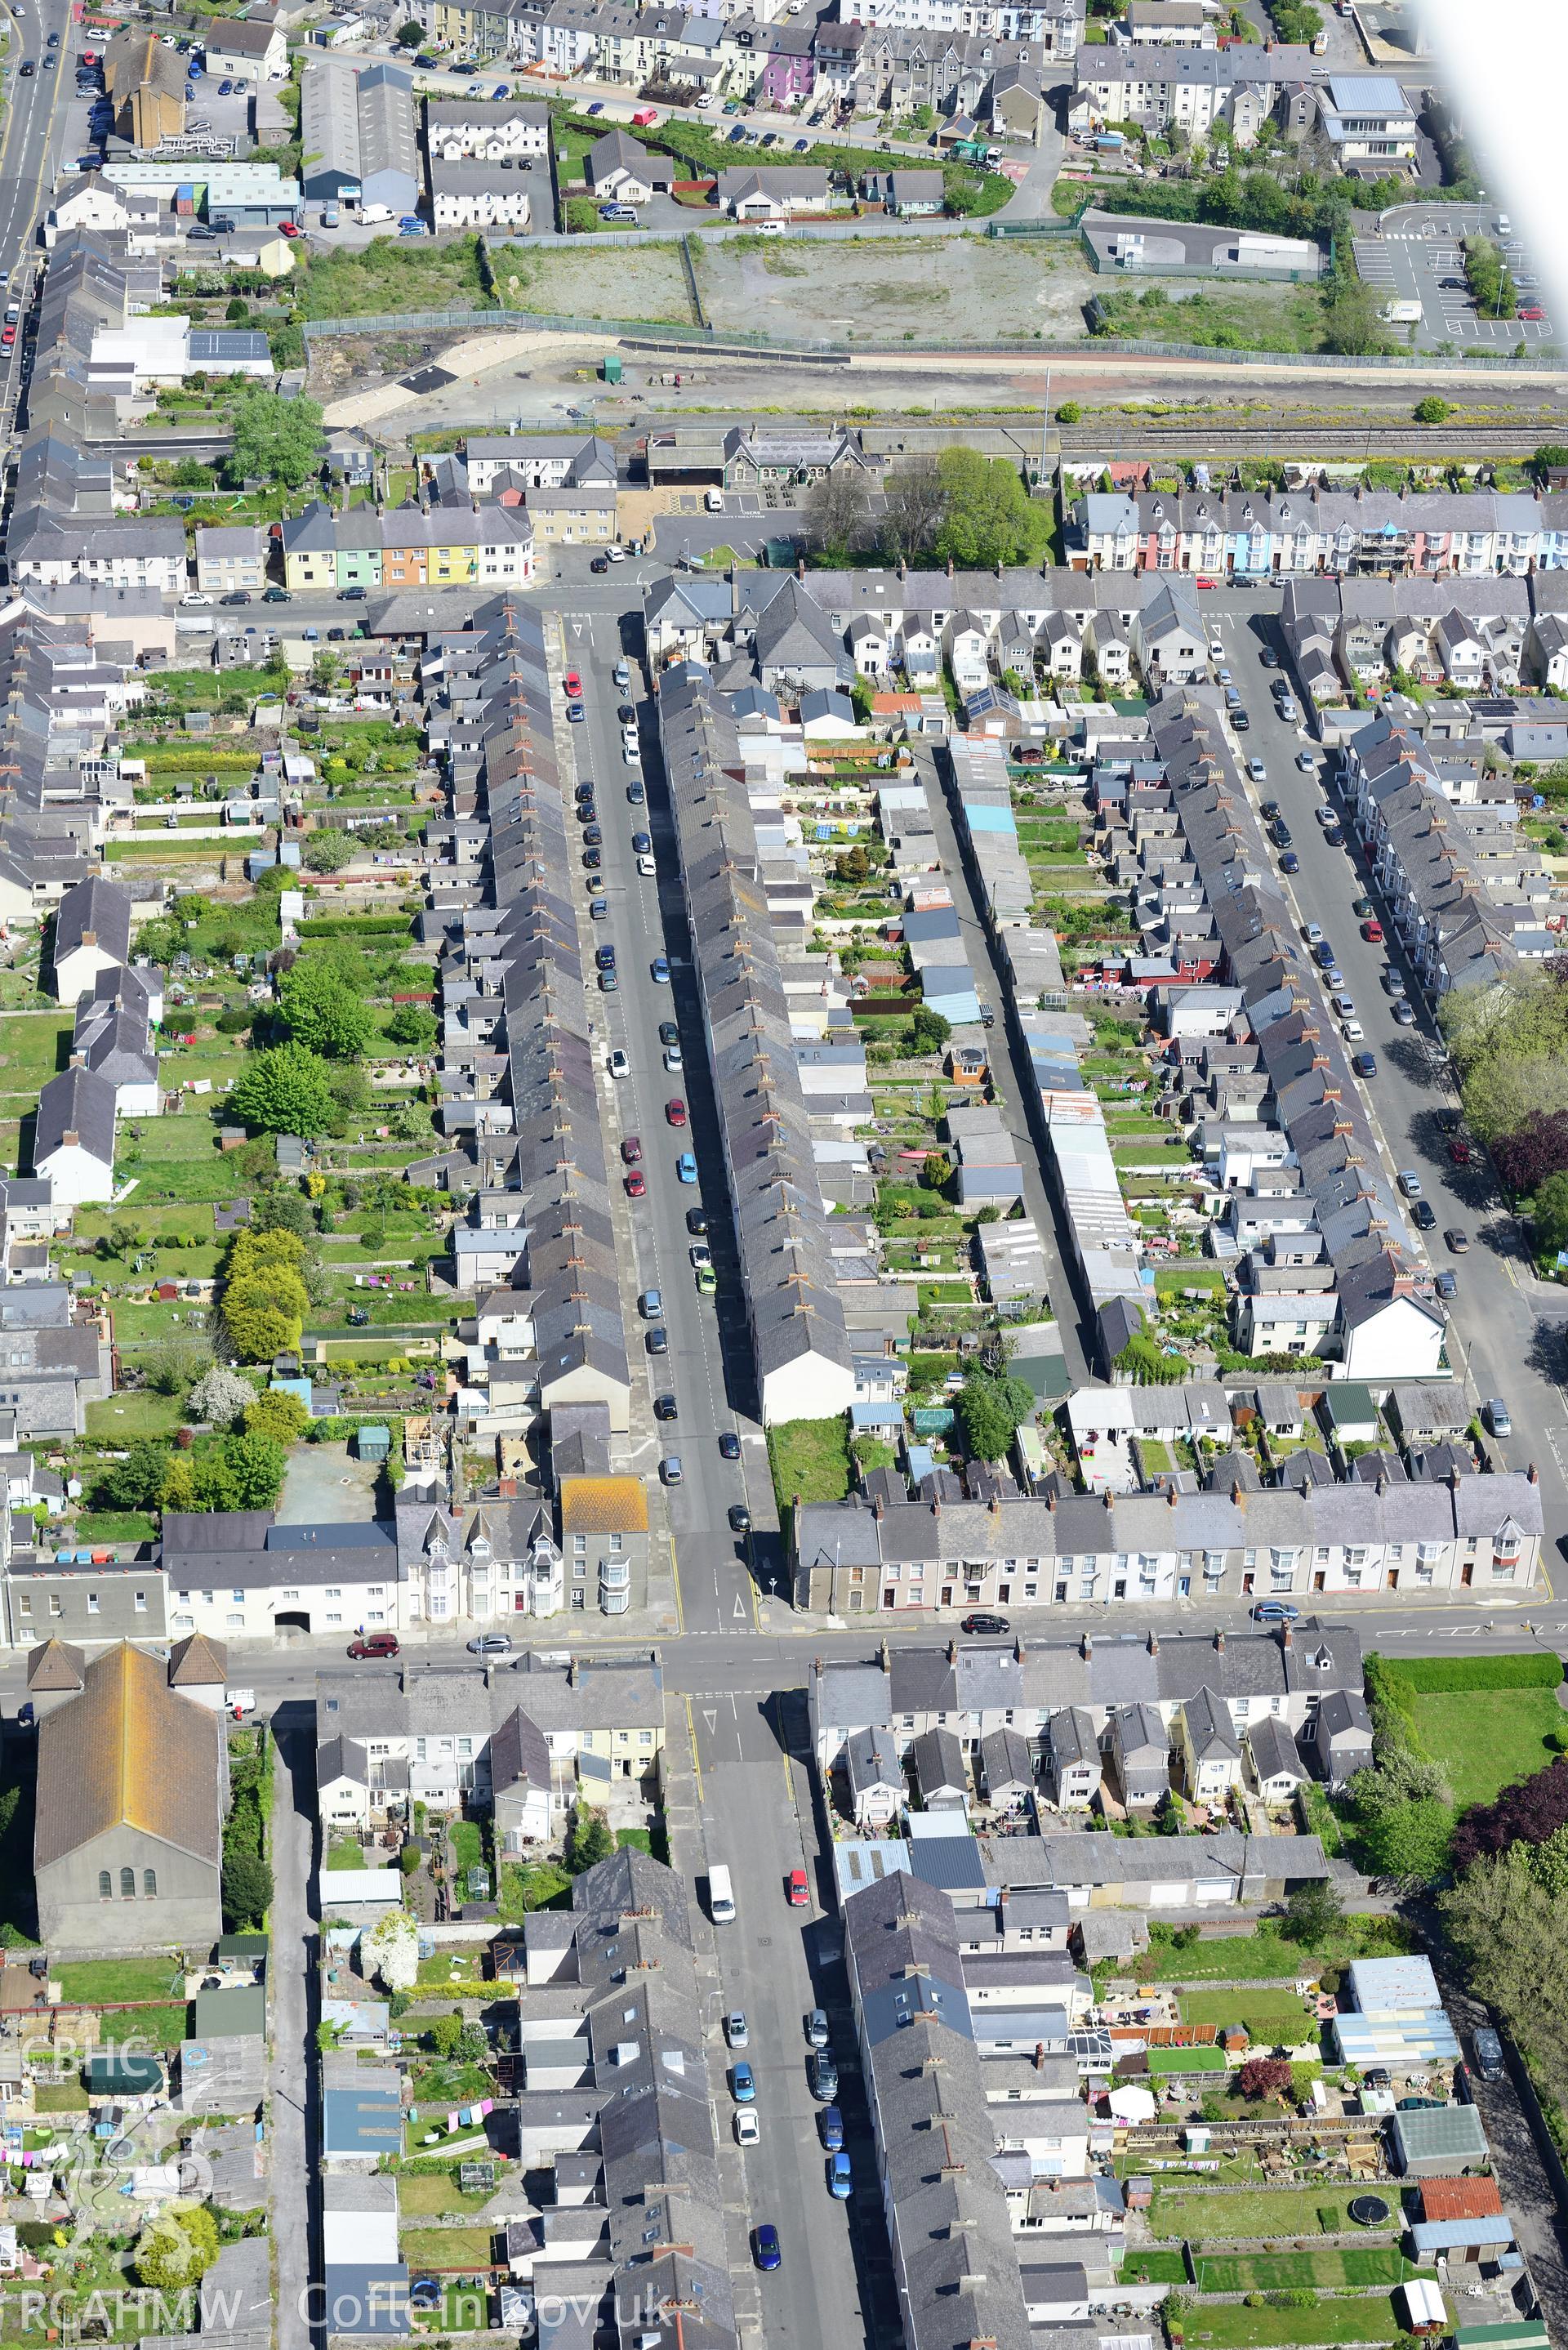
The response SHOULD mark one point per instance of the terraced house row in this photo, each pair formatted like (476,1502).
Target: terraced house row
(408,547)
(1255,534)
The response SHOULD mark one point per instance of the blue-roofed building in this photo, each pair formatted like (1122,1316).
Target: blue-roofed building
(1433,2238)
(361,2123)
(857,1866)
(1368,122)
(226,352)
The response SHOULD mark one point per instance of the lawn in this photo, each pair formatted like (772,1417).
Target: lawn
(1484,1739)
(37,1046)
(164,2027)
(809,1457)
(439,1969)
(348,1852)
(136,1412)
(466,1844)
(1186,2060)
(445,2248)
(96,1527)
(1181,2211)
(1358,2264)
(1261,2018)
(1143,2267)
(89,1983)
(1265,1956)
(435,2195)
(1232,2326)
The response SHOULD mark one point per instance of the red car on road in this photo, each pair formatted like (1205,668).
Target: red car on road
(1459,1152)
(799,1891)
(631,1150)
(574,685)
(288,228)
(675,1111)
(1533,312)
(1373,931)
(8,336)
(636,1184)
(375,1644)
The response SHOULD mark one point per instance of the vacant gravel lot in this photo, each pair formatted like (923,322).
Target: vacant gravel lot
(967,289)
(590,280)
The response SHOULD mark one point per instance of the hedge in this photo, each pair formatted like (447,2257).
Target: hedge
(1453,1676)
(355,926)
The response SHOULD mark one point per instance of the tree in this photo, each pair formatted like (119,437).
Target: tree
(320,1010)
(1535,1149)
(1549,1214)
(929,1030)
(990,517)
(246,1891)
(1264,2077)
(445,2032)
(838,514)
(1070,412)
(1351,326)
(277,1414)
(936,1170)
(1530,1812)
(1311,1913)
(238,313)
(853,866)
(473,2047)
(410,36)
(912,512)
(412,1026)
(327,851)
(177,1490)
(278,1211)
(1510,1931)
(284,1091)
(219,1395)
(1412,1843)
(990,1411)
(274,440)
(591,1840)
(175,2251)
(175,1362)
(1433,411)
(135,1483)
(264,1315)
(1548,1862)
(393,1948)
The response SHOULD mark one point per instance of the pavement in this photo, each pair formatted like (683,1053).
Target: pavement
(29,143)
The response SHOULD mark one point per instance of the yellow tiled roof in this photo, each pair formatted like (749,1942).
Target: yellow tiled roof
(128,1752)
(603,1505)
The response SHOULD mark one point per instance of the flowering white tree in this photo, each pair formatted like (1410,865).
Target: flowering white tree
(219,1395)
(392,1947)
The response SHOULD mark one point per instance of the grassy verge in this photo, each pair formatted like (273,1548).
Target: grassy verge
(1490,1738)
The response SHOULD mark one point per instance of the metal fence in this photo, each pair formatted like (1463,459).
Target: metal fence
(739,341)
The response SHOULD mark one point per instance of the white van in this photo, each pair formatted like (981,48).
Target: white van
(715,502)
(721,1896)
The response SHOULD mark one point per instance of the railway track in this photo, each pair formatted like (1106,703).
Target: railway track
(1297,442)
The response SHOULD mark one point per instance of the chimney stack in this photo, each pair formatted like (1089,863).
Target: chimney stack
(952,1652)
(1286,1640)
(1154,1644)
(1088,1646)
(1220,1643)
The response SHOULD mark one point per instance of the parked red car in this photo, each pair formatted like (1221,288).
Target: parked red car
(631,1150)
(1459,1152)
(1374,931)
(574,685)
(675,1111)
(375,1644)
(636,1184)
(799,1891)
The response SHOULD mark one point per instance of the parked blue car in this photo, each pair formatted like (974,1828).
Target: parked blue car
(832,2122)
(743,2084)
(840,2181)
